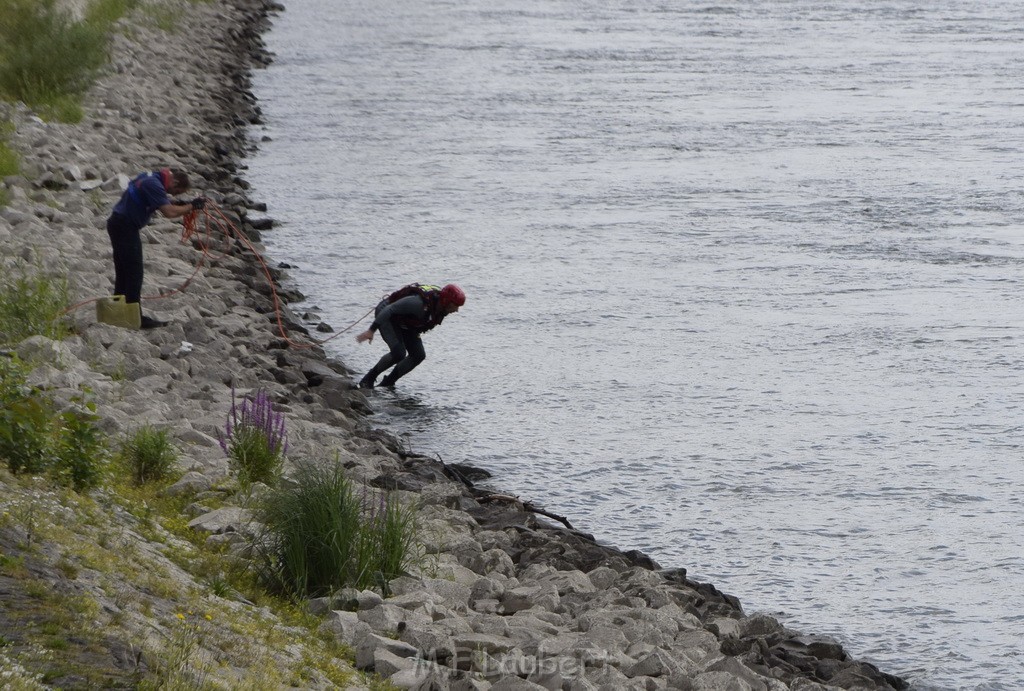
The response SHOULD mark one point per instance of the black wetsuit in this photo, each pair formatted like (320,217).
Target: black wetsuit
(393,322)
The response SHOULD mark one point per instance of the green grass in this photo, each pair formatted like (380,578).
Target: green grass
(104,13)
(148,455)
(10,163)
(48,60)
(35,438)
(32,304)
(321,534)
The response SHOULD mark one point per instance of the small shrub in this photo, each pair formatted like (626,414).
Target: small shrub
(45,56)
(34,439)
(82,450)
(255,439)
(148,455)
(26,436)
(32,305)
(321,535)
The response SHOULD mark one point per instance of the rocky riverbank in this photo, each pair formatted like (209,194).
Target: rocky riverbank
(503,598)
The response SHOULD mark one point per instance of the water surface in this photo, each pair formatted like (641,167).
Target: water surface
(744,279)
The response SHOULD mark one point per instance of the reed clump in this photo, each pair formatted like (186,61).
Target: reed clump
(322,534)
(148,455)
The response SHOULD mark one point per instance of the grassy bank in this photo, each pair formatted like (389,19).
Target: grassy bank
(49,58)
(106,584)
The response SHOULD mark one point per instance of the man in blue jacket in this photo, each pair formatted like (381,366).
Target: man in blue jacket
(401,317)
(145,195)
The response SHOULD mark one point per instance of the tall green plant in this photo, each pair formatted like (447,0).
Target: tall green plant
(320,535)
(27,435)
(81,450)
(47,60)
(148,455)
(35,439)
(31,304)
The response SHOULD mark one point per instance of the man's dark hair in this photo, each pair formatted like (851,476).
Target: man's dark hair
(180,179)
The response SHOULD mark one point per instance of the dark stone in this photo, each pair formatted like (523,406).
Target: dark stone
(734,646)
(675,575)
(825,648)
(402,481)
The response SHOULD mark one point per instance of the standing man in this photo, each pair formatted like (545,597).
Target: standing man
(401,317)
(145,195)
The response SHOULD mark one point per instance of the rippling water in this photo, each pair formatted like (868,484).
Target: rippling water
(745,282)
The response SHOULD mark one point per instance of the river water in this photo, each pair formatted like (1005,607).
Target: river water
(744,279)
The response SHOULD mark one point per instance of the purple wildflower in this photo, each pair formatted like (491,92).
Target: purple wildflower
(256,415)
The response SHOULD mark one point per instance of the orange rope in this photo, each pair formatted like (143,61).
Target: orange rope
(219,222)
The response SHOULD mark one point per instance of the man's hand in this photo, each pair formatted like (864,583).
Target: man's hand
(365,336)
(198,203)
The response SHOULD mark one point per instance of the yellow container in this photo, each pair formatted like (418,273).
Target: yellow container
(115,311)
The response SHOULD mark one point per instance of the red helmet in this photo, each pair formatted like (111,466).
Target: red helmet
(452,295)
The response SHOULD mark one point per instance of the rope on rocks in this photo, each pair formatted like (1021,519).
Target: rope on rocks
(214,221)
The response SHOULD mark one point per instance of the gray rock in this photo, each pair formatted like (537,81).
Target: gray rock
(486,589)
(386,663)
(442,494)
(656,664)
(39,349)
(724,627)
(511,683)
(759,624)
(422,677)
(190,483)
(346,626)
(227,520)
(526,597)
(603,577)
(367,599)
(367,648)
(570,582)
(470,684)
(389,619)
(432,644)
(487,643)
(13,217)
(72,173)
(718,681)
(493,561)
(738,670)
(115,184)
(195,437)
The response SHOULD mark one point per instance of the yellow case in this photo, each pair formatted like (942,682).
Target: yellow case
(115,311)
